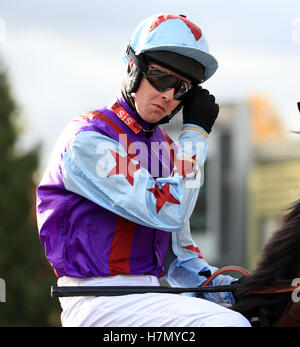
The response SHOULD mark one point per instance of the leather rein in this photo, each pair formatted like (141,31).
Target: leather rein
(268,290)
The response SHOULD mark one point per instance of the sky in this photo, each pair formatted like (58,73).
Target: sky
(64,57)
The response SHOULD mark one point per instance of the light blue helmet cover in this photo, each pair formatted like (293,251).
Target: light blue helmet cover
(164,32)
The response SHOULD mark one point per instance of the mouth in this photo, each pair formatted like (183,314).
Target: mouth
(159,107)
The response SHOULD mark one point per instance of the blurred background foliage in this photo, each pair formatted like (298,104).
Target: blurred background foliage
(27,275)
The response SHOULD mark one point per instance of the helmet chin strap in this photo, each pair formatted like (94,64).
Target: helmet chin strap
(171,115)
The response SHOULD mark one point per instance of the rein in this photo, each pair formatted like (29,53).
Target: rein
(67,291)
(223,270)
(275,290)
(268,290)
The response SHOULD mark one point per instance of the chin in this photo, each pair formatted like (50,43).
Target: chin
(152,119)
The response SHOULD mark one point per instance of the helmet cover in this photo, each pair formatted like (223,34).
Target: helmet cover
(171,33)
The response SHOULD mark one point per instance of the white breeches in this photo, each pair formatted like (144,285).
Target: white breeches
(142,310)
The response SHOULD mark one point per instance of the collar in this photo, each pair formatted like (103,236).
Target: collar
(130,118)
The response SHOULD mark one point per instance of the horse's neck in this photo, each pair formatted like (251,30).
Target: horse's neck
(292,318)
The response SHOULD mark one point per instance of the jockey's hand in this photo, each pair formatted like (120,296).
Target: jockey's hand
(186,273)
(219,297)
(200,108)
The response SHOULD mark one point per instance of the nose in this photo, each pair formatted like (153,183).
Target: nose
(168,94)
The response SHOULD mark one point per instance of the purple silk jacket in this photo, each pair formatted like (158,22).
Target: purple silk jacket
(80,237)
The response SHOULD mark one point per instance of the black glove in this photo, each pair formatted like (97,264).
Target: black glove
(200,108)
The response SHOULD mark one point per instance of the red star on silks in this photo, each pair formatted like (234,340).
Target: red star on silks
(163,195)
(194,249)
(184,167)
(124,166)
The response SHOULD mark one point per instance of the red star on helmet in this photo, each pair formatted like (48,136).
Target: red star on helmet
(184,167)
(124,166)
(163,195)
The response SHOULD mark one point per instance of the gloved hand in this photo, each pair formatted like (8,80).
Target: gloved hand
(186,274)
(200,108)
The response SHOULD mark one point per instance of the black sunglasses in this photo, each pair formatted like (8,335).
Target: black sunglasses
(163,81)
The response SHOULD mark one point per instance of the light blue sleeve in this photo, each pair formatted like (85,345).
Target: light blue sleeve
(89,169)
(184,270)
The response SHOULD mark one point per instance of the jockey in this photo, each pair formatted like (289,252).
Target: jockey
(114,203)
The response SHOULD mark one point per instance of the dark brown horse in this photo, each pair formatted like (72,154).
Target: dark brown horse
(278,267)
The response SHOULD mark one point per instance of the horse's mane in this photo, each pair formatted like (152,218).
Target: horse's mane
(279,265)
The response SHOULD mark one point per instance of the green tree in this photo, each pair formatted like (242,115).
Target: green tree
(27,275)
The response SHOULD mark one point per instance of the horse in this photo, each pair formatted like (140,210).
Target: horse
(265,297)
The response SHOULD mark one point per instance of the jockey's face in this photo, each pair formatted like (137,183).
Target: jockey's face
(153,105)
